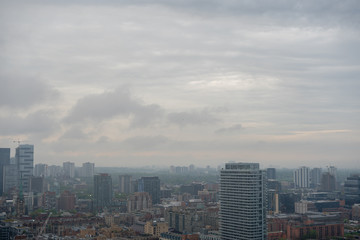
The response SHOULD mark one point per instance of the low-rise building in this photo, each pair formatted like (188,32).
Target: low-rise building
(155,228)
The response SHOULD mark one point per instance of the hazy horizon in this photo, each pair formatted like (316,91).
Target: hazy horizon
(135,83)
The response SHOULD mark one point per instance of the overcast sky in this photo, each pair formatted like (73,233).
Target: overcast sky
(179,82)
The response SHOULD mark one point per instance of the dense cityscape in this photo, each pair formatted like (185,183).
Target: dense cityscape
(233,201)
(179,119)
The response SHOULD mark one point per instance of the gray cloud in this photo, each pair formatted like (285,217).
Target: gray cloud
(279,66)
(23,92)
(192,118)
(75,132)
(40,122)
(99,107)
(234,129)
(147,142)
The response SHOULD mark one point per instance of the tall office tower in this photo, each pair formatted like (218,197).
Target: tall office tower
(69,169)
(134,185)
(152,186)
(315,177)
(10,175)
(4,160)
(242,202)
(192,168)
(352,190)
(25,165)
(302,177)
(332,171)
(41,170)
(125,184)
(87,170)
(103,192)
(328,183)
(271,173)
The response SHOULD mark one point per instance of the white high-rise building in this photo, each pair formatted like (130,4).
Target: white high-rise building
(87,170)
(41,170)
(25,165)
(55,171)
(302,177)
(242,202)
(69,169)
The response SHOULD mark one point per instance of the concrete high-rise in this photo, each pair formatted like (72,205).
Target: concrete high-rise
(41,170)
(315,177)
(87,170)
(152,186)
(69,169)
(328,182)
(125,184)
(242,202)
(25,165)
(302,177)
(103,192)
(4,160)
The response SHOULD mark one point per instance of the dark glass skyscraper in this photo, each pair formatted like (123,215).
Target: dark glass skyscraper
(4,160)
(152,186)
(271,173)
(103,192)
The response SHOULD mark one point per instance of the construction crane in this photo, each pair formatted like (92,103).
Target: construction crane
(18,141)
(44,226)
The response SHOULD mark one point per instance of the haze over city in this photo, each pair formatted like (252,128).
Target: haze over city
(129,83)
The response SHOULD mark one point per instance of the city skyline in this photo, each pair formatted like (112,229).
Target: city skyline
(162,83)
